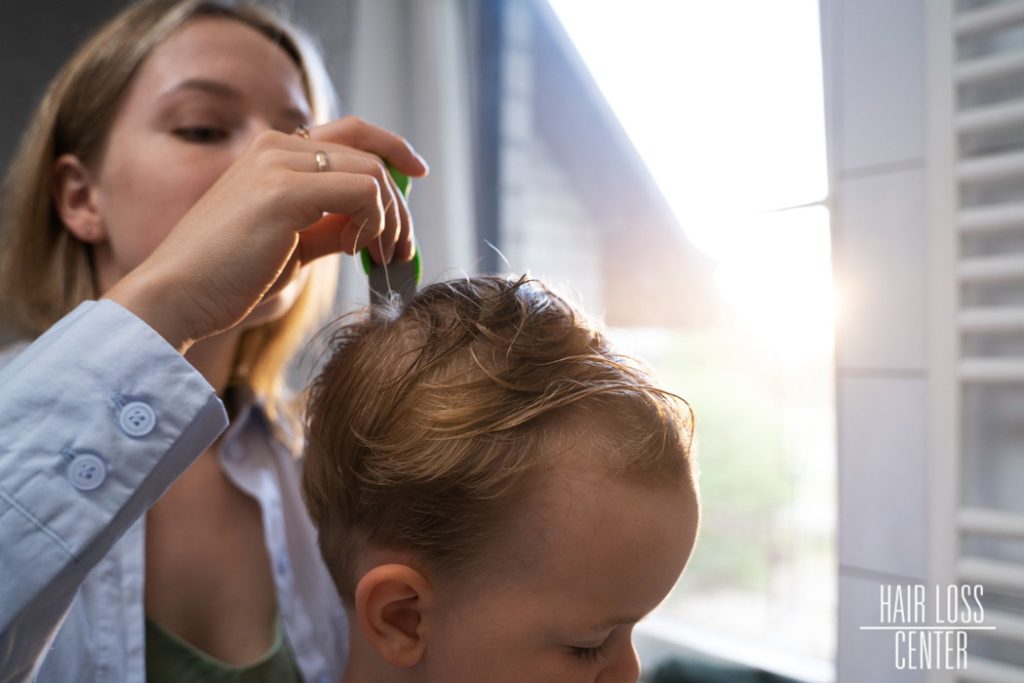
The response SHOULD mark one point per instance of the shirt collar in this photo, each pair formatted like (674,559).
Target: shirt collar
(249,409)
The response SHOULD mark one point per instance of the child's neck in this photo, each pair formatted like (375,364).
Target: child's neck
(355,672)
(365,664)
(358,672)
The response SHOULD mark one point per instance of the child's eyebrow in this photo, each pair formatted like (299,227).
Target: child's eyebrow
(616,621)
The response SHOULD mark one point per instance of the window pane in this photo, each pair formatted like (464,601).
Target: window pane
(724,103)
(760,379)
(723,100)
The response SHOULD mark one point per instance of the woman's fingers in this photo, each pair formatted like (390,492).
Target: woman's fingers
(397,221)
(327,236)
(355,132)
(393,204)
(331,234)
(345,160)
(403,248)
(275,209)
(355,140)
(355,196)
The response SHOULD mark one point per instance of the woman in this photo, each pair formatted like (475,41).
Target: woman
(160,174)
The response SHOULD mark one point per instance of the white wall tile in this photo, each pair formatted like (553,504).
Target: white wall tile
(881,72)
(518,23)
(882,474)
(880,269)
(866,656)
(517,72)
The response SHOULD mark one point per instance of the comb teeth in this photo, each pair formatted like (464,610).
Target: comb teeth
(397,278)
(400,275)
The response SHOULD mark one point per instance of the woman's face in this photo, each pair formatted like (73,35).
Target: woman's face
(196,103)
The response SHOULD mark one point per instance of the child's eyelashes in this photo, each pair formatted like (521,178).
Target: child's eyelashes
(203,135)
(588,654)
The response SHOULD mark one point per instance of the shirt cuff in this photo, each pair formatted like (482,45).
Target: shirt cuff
(100,416)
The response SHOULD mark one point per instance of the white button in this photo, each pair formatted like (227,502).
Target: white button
(86,472)
(282,565)
(137,419)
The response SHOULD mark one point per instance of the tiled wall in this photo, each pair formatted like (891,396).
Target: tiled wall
(545,226)
(874,53)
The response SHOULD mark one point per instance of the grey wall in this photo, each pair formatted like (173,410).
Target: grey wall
(37,37)
(35,40)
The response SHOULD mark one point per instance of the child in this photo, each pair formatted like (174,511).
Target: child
(500,496)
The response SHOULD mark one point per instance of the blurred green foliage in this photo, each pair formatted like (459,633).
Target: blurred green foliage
(746,480)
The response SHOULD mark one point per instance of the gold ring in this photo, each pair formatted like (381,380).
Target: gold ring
(321,161)
(302,131)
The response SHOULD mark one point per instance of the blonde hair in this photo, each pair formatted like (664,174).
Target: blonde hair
(428,419)
(46,271)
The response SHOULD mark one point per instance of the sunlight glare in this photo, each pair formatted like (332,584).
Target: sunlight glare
(779,283)
(724,102)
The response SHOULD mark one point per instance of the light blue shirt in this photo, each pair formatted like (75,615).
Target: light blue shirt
(97,418)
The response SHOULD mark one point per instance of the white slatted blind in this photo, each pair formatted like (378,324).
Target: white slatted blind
(976,158)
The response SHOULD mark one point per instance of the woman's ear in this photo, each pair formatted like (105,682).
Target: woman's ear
(74,196)
(393,603)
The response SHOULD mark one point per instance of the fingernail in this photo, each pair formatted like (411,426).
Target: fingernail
(426,167)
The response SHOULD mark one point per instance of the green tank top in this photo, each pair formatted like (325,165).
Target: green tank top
(170,659)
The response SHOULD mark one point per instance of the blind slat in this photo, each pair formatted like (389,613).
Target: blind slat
(999,16)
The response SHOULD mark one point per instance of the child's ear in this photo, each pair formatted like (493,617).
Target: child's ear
(74,196)
(392,603)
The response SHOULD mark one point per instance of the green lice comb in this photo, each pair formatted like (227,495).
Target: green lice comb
(401,277)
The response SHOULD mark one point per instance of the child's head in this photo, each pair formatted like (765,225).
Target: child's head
(500,496)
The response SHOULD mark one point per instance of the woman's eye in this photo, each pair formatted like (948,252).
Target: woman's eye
(588,654)
(201,134)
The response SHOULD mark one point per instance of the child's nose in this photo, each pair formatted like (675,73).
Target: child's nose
(624,668)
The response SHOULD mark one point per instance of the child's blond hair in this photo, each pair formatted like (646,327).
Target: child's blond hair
(429,419)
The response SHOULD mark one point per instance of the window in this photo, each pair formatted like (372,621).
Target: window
(723,102)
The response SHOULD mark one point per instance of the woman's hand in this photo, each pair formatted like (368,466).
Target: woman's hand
(268,215)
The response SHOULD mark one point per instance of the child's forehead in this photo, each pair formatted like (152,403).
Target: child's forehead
(576,513)
(598,545)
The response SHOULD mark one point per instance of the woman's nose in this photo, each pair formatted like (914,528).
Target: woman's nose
(255,127)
